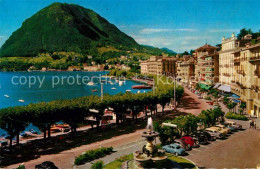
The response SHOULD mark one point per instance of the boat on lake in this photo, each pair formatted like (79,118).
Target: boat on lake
(113,88)
(21,100)
(128,90)
(94,90)
(6,96)
(141,87)
(90,83)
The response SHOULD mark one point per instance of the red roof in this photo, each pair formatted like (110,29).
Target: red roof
(206,47)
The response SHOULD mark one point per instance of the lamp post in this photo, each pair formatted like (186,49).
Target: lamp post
(175,74)
(101,91)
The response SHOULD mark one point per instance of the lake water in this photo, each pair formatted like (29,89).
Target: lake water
(33,87)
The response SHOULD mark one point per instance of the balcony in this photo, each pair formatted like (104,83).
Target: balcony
(255,88)
(254,58)
(237,60)
(241,85)
(257,73)
(226,74)
(241,72)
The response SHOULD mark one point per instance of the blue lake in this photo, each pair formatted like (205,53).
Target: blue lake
(33,87)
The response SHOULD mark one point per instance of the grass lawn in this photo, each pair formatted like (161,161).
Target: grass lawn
(118,162)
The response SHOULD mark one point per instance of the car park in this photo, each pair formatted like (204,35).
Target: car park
(224,128)
(176,149)
(182,144)
(234,125)
(200,137)
(190,142)
(214,132)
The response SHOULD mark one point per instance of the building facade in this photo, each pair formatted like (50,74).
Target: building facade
(247,77)
(226,58)
(158,65)
(186,69)
(207,65)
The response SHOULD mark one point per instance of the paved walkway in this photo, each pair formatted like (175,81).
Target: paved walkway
(191,104)
(65,159)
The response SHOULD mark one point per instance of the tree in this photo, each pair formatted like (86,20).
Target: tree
(242,107)
(243,32)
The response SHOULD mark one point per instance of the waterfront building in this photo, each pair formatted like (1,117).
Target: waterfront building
(246,82)
(226,59)
(207,68)
(159,65)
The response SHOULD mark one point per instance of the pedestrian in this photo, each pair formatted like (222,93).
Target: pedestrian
(255,124)
(250,122)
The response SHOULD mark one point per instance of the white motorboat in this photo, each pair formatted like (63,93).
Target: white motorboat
(90,83)
(128,90)
(138,91)
(121,83)
(21,100)
(113,88)
(6,96)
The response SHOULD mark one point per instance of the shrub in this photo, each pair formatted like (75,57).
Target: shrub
(98,165)
(92,155)
(81,159)
(208,98)
(230,115)
(21,167)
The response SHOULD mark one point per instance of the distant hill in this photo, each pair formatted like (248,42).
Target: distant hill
(64,27)
(168,50)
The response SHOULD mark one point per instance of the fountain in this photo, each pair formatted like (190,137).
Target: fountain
(150,156)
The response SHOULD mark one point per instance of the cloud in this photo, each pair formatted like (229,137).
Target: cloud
(223,30)
(149,31)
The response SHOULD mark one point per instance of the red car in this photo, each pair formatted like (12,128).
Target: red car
(190,141)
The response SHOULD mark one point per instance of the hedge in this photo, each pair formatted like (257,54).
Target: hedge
(231,115)
(92,155)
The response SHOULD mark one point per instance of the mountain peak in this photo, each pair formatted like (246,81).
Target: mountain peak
(64,27)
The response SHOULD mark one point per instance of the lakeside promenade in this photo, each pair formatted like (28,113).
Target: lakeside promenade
(66,158)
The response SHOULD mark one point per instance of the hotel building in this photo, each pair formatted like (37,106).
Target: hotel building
(207,65)
(158,65)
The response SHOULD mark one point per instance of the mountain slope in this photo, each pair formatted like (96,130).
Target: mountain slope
(64,27)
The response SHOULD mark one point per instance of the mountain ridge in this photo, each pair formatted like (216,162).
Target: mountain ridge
(64,27)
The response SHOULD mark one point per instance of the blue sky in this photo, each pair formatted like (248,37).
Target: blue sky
(176,24)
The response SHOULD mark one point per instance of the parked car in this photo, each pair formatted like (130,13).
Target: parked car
(182,144)
(200,137)
(234,125)
(176,149)
(209,136)
(213,131)
(190,142)
(223,128)
(46,165)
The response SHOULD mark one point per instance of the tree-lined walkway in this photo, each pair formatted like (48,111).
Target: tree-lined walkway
(191,104)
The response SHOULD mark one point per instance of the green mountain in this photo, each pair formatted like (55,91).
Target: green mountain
(64,27)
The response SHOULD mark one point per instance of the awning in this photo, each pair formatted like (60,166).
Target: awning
(235,96)
(204,86)
(216,85)
(225,88)
(236,101)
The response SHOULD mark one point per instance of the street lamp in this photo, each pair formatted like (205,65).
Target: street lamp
(175,74)
(101,91)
